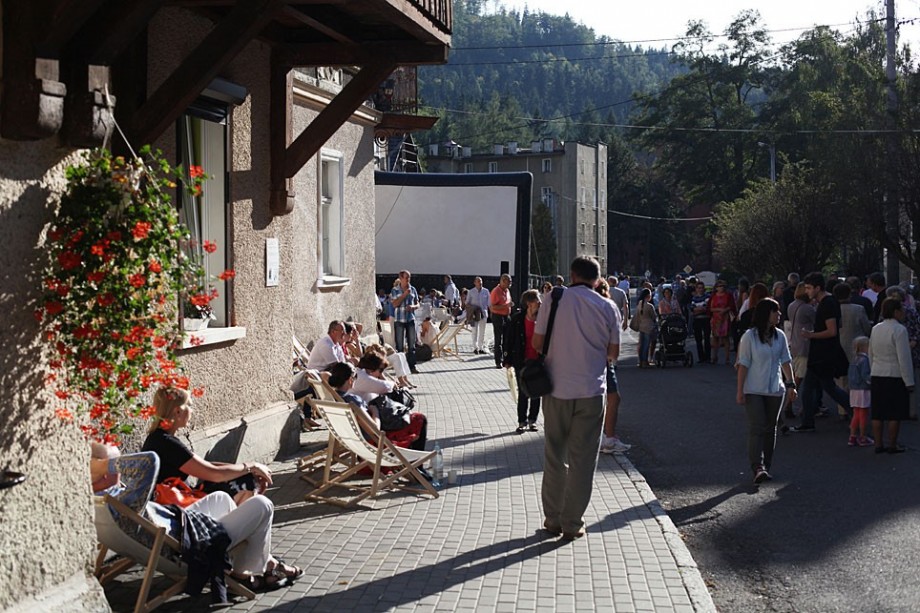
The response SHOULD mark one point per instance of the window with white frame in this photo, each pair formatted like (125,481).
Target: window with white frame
(547,165)
(331,214)
(546,195)
(202,147)
(493,166)
(468,167)
(584,234)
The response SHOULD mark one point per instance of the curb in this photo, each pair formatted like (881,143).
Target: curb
(690,572)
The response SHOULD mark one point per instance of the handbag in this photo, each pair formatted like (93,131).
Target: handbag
(174,490)
(535,379)
(634,323)
(393,415)
(402,396)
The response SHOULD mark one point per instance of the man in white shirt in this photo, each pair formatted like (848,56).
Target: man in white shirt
(584,338)
(328,350)
(451,293)
(478,297)
(620,298)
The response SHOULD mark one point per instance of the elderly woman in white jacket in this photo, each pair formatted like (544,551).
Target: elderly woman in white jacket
(892,375)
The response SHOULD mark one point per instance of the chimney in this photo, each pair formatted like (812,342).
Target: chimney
(498,149)
(512,147)
(467,152)
(536,146)
(433,150)
(548,145)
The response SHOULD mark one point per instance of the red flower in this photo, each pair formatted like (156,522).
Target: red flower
(114,235)
(209,247)
(77,236)
(105,300)
(95,277)
(141,230)
(99,409)
(53,308)
(195,171)
(158,342)
(148,412)
(194,341)
(69,260)
(97,249)
(56,234)
(38,314)
(227,275)
(137,280)
(62,290)
(155,266)
(63,414)
(201,300)
(133,352)
(198,392)
(110,439)
(62,394)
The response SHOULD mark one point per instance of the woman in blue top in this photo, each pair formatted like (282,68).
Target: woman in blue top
(764,377)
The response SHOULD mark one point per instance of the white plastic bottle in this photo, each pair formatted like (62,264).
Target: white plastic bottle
(437,463)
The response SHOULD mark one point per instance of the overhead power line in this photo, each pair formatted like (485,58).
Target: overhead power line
(656,40)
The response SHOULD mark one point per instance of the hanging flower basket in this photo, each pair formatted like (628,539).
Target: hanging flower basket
(117,272)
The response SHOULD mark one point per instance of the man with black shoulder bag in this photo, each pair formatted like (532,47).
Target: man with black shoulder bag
(586,337)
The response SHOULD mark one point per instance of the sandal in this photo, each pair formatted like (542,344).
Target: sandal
(268,582)
(285,572)
(520,429)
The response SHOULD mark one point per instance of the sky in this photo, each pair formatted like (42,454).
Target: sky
(642,20)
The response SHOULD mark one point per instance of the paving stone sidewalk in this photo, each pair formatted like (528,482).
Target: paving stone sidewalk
(478,547)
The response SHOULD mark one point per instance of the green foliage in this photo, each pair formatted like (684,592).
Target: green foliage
(542,240)
(779,227)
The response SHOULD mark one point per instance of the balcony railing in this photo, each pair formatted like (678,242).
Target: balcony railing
(438,10)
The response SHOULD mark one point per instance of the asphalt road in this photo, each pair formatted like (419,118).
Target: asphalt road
(837,530)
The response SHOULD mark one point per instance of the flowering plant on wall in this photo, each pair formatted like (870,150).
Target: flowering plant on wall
(116,276)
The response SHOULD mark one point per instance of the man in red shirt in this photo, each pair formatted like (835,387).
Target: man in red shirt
(500,307)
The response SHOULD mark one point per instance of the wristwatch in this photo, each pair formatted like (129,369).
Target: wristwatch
(790,385)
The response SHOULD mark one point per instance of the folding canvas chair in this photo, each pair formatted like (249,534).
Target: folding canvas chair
(347,427)
(124,527)
(309,464)
(386,331)
(299,353)
(442,344)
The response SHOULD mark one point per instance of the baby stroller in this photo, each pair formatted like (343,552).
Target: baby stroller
(672,333)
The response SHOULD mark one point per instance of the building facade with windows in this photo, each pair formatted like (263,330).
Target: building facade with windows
(289,204)
(570,178)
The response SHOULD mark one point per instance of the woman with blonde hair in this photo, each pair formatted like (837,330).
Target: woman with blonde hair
(249,523)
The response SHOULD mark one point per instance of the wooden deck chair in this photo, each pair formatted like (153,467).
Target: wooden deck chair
(386,331)
(313,462)
(123,527)
(442,345)
(347,426)
(299,353)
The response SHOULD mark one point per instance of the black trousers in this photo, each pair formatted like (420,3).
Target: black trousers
(702,332)
(498,329)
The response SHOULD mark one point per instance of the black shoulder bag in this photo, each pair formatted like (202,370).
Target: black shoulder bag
(535,380)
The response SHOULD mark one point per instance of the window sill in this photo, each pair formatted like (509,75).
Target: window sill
(331,282)
(213,336)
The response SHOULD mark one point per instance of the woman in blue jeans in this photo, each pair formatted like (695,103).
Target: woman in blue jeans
(646,322)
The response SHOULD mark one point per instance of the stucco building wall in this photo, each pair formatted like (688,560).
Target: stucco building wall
(253,373)
(46,528)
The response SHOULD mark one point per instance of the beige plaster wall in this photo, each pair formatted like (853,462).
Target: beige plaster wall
(253,373)
(46,527)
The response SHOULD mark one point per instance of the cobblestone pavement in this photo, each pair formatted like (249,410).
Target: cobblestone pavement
(478,546)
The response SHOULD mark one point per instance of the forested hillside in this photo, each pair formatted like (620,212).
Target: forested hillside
(510,66)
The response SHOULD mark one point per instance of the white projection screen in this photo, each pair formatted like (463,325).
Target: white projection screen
(458,224)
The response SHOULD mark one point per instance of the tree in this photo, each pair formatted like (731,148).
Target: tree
(779,227)
(542,241)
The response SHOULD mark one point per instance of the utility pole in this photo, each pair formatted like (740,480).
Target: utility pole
(892,203)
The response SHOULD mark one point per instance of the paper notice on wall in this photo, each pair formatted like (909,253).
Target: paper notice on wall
(272,262)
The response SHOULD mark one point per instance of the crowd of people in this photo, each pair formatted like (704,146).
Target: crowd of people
(796,342)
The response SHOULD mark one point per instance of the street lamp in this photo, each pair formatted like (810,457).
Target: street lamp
(772,149)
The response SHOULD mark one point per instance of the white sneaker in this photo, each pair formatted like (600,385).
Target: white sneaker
(612,444)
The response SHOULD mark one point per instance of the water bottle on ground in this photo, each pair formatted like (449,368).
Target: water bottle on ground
(437,465)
